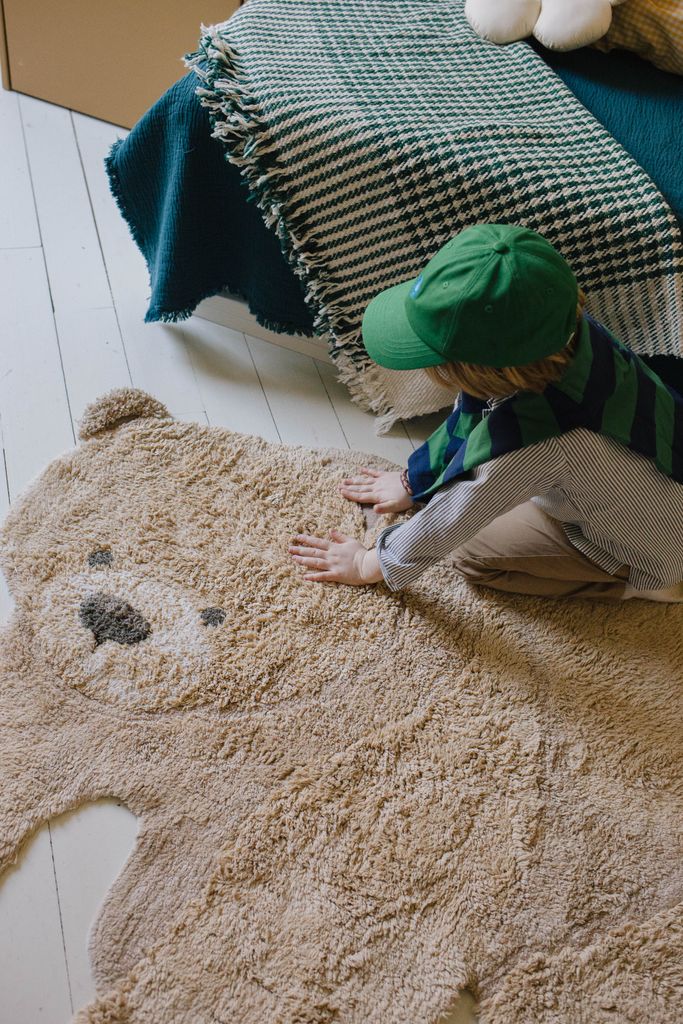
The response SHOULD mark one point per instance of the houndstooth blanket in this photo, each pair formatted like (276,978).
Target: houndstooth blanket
(371,131)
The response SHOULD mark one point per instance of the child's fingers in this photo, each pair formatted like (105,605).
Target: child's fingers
(357,481)
(367,472)
(338,537)
(311,563)
(312,542)
(356,489)
(383,506)
(354,494)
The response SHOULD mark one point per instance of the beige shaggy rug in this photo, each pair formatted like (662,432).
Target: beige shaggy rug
(353,803)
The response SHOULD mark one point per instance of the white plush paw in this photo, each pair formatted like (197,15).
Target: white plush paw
(558,24)
(503,21)
(568,24)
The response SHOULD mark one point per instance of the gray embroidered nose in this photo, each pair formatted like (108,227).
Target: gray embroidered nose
(110,618)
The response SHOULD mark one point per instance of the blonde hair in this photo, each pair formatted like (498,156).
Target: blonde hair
(497,382)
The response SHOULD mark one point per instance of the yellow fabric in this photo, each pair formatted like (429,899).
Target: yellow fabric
(651,28)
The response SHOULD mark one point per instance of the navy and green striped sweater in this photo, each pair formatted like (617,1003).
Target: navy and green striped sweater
(606,388)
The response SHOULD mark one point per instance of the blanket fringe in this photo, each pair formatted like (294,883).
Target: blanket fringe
(237,121)
(365,390)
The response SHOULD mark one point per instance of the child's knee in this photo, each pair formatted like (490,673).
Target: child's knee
(476,570)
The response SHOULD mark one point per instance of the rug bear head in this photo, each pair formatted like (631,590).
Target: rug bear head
(129,560)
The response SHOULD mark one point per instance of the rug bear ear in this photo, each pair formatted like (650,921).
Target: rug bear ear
(119,406)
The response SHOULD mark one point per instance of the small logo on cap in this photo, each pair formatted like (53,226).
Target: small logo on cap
(417,287)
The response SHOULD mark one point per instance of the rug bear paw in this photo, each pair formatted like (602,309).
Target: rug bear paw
(352,802)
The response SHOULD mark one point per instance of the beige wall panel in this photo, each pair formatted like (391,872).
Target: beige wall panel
(111,59)
(4,59)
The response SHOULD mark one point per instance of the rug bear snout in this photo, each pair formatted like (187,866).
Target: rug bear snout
(125,636)
(110,618)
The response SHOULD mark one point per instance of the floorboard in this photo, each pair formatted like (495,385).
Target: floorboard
(89,337)
(296,396)
(36,419)
(67,230)
(18,220)
(34,985)
(90,847)
(226,377)
(359,426)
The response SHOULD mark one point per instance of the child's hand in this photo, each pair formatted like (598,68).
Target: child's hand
(339,560)
(384,491)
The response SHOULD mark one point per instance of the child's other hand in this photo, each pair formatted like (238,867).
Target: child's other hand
(384,491)
(338,560)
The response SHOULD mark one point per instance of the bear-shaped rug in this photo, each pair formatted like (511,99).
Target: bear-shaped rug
(353,803)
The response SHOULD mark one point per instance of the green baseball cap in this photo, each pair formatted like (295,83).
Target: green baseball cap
(495,295)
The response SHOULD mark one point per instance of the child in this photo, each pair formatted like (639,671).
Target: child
(560,470)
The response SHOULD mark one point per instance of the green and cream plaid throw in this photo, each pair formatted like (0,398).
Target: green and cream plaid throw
(371,131)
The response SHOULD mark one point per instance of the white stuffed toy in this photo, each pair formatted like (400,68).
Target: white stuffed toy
(557,24)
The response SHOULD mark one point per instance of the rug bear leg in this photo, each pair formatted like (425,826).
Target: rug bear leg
(633,972)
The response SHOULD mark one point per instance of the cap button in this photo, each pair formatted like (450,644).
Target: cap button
(501,247)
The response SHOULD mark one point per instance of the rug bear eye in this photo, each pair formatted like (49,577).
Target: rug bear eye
(100,557)
(212,616)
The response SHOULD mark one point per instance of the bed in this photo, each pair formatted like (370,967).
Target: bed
(202,233)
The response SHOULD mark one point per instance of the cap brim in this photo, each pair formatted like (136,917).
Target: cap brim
(388,336)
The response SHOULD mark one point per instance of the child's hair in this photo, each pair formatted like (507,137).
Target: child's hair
(495,382)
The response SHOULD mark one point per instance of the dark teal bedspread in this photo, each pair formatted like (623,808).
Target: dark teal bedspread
(189,213)
(641,106)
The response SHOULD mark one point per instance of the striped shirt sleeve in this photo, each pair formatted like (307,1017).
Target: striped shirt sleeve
(457,512)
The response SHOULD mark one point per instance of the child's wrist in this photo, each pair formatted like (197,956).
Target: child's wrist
(405,482)
(370,567)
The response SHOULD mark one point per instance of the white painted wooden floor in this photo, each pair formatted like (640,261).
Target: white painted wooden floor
(73,293)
